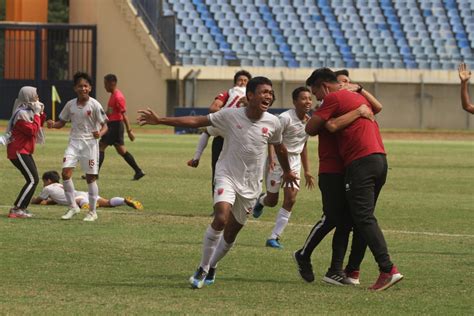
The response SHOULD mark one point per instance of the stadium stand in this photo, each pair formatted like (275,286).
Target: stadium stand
(422,34)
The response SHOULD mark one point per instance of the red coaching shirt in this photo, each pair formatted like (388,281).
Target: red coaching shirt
(362,137)
(329,159)
(116,106)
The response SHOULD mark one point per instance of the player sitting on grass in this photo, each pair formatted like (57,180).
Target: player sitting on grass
(293,124)
(53,193)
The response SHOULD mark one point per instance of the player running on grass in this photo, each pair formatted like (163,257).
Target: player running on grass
(53,193)
(239,170)
(88,122)
(293,124)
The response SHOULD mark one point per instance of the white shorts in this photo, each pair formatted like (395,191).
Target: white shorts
(84,151)
(273,179)
(241,206)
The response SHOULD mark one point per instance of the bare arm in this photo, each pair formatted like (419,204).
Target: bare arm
(271,157)
(40,201)
(58,124)
(103,130)
(150,117)
(465,75)
(305,162)
(466,102)
(128,128)
(376,105)
(288,176)
(216,106)
(314,125)
(336,124)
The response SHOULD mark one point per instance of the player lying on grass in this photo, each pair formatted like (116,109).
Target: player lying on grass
(53,193)
(239,170)
(293,124)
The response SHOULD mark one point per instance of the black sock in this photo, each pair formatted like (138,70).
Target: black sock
(131,162)
(101,158)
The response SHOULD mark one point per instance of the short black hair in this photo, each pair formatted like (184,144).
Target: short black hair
(242,73)
(342,72)
(51,175)
(257,81)
(296,93)
(321,75)
(110,78)
(82,75)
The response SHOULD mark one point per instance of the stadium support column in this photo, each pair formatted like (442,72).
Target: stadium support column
(283,89)
(422,101)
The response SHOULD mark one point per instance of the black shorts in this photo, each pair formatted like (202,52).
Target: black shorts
(114,135)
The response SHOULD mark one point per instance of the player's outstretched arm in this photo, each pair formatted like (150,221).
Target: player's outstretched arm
(150,117)
(336,124)
(288,177)
(465,75)
(309,179)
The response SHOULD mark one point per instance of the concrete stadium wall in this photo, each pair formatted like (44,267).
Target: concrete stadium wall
(399,91)
(121,51)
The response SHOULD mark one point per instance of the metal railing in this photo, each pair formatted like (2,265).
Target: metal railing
(162,28)
(42,55)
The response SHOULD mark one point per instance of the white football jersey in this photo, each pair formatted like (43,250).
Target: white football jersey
(293,131)
(245,148)
(235,94)
(84,119)
(55,192)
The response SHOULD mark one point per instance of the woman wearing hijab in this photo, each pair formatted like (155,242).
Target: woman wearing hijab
(24,130)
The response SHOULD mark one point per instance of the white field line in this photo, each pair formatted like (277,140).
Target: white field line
(267,223)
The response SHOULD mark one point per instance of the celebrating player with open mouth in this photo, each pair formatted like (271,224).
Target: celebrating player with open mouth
(238,180)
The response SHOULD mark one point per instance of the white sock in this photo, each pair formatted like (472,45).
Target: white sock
(82,201)
(68,186)
(260,200)
(222,249)
(211,238)
(93,196)
(201,145)
(282,219)
(117,201)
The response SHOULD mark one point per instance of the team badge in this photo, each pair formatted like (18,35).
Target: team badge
(264,131)
(272,183)
(64,159)
(239,126)
(89,112)
(220,191)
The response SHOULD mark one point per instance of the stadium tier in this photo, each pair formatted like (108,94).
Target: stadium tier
(422,34)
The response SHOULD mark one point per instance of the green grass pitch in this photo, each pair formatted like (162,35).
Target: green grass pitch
(131,262)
